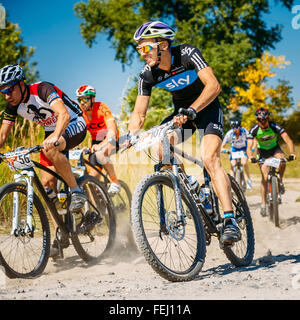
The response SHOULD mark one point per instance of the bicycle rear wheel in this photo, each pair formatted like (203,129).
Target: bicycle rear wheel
(96,223)
(174,251)
(24,252)
(241,253)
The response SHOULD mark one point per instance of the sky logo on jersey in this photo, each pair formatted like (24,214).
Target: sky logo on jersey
(178,81)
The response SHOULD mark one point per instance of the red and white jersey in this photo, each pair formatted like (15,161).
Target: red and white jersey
(37,107)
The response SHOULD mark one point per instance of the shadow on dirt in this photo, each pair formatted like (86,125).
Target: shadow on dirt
(266,262)
(285,223)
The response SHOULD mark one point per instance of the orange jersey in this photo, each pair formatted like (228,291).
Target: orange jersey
(97,125)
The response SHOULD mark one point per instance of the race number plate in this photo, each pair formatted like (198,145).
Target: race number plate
(149,138)
(273,162)
(19,160)
(75,154)
(237,155)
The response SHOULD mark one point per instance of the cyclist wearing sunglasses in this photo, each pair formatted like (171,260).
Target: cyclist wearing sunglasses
(104,131)
(182,70)
(266,134)
(237,137)
(48,106)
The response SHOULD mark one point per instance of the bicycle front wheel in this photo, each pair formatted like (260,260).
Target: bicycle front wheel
(175,251)
(274,201)
(24,245)
(96,224)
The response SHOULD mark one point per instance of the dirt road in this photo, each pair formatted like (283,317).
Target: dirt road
(274,273)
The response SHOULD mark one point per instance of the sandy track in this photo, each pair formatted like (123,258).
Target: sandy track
(274,273)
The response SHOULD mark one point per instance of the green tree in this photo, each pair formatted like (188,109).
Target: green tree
(230,34)
(259,93)
(292,125)
(14,51)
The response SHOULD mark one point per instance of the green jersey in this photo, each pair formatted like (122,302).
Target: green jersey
(266,138)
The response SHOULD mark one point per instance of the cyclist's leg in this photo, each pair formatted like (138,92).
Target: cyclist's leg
(48,181)
(103,158)
(210,153)
(73,136)
(232,165)
(244,162)
(211,120)
(264,170)
(61,163)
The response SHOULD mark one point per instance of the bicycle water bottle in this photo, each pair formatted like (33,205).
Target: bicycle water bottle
(194,183)
(62,203)
(207,201)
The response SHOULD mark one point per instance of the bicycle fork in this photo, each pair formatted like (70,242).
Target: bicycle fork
(178,203)
(27,177)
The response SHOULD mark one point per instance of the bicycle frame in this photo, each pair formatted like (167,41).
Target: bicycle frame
(30,178)
(177,173)
(80,168)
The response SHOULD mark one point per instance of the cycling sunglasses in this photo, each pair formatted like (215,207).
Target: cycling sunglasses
(83,99)
(10,89)
(146,48)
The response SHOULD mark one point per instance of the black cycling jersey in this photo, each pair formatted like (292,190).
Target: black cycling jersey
(182,80)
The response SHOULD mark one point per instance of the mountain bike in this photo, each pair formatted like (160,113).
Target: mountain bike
(238,169)
(170,223)
(274,194)
(24,225)
(121,200)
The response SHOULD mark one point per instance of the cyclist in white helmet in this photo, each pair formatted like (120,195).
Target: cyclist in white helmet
(182,70)
(45,104)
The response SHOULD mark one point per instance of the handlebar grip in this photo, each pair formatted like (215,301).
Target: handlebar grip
(190,113)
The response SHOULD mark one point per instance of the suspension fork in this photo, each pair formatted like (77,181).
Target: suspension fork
(27,177)
(159,195)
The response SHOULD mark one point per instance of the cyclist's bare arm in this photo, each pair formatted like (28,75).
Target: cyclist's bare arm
(4,133)
(62,123)
(286,138)
(211,89)
(250,143)
(112,129)
(138,115)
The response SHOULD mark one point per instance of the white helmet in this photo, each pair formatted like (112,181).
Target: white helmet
(155,29)
(11,74)
(86,90)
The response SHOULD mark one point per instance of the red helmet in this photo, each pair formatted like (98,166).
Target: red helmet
(262,113)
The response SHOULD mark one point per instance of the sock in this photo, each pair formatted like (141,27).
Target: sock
(76,189)
(114,179)
(228,214)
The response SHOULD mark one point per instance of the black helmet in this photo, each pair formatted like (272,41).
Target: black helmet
(262,113)
(235,123)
